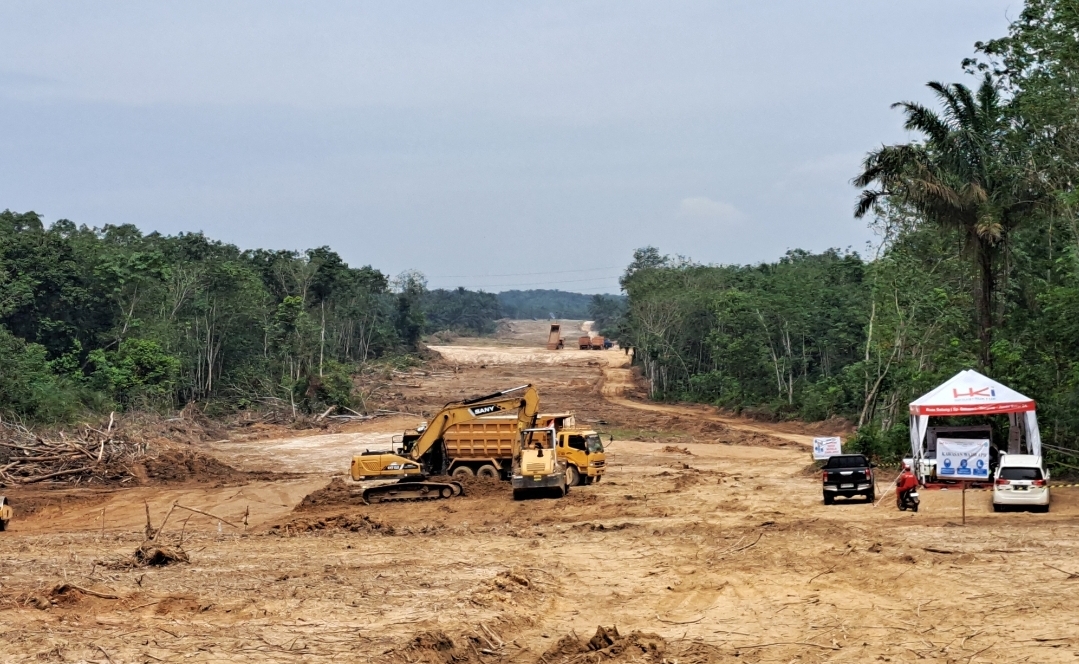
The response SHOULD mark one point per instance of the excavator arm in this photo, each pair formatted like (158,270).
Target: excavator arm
(523,399)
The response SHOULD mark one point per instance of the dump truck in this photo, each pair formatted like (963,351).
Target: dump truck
(598,343)
(554,337)
(584,342)
(5,513)
(456,442)
(581,447)
(537,468)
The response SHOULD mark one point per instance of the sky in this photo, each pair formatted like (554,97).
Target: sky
(491,145)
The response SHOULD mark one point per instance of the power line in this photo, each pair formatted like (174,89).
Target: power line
(521,274)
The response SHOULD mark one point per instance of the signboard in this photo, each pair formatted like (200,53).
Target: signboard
(962,459)
(826,447)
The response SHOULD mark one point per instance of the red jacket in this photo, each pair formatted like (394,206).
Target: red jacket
(907,481)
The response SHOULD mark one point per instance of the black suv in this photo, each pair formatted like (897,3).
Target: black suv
(848,475)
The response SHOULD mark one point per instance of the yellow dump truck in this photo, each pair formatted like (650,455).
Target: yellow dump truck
(581,448)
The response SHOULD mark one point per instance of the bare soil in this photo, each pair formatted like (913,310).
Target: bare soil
(707,541)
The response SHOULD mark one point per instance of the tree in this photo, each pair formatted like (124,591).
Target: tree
(964,174)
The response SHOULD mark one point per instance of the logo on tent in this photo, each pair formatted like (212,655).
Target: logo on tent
(985,393)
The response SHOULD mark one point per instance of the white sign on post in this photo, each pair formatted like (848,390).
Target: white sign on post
(962,459)
(826,447)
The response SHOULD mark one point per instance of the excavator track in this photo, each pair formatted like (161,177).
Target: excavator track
(411,490)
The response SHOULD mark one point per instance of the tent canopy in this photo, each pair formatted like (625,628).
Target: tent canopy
(970,393)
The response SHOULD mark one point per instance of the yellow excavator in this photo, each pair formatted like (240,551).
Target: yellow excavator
(456,441)
(5,513)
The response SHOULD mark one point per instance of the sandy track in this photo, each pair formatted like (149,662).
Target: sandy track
(723,550)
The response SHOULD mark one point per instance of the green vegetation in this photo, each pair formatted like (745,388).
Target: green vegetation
(978,267)
(99,319)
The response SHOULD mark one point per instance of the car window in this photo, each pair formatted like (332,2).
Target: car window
(846,462)
(1015,473)
(577,442)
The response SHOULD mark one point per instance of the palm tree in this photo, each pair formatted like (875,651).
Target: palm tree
(964,174)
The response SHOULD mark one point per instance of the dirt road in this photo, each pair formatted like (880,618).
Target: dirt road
(708,533)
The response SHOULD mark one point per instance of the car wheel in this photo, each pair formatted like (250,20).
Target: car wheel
(487,472)
(462,471)
(871,497)
(1043,508)
(998,508)
(828,499)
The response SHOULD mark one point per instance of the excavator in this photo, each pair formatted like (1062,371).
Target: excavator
(456,441)
(5,513)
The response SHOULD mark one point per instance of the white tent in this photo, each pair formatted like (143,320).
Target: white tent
(970,393)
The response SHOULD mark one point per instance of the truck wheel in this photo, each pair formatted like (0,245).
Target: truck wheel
(462,471)
(573,476)
(871,497)
(3,525)
(828,499)
(487,472)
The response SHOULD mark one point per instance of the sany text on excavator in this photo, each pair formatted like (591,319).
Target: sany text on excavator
(456,441)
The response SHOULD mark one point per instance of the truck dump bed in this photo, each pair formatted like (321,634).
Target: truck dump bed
(554,338)
(487,438)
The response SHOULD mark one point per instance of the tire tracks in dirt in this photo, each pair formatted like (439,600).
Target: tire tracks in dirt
(617,380)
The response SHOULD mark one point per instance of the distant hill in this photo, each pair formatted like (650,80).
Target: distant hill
(542,303)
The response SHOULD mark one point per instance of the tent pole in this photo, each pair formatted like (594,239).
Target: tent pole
(964,503)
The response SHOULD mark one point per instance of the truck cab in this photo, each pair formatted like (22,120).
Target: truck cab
(581,447)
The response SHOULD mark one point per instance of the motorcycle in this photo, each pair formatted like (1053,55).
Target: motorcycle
(908,500)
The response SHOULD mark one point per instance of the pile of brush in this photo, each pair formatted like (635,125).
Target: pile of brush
(87,456)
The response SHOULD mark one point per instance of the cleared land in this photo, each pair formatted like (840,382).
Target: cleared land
(708,535)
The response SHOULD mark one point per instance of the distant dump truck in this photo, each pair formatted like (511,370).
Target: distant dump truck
(590,343)
(554,337)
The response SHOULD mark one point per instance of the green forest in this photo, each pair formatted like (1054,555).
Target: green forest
(99,319)
(977,267)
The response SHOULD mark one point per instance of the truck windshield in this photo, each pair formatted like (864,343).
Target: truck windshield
(594,444)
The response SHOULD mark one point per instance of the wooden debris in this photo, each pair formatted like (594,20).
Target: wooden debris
(91,455)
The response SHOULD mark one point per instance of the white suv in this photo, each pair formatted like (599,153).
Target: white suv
(1021,479)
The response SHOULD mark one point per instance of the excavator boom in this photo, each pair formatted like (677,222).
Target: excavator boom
(523,399)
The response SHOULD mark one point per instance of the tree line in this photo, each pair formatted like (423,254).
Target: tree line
(99,319)
(978,266)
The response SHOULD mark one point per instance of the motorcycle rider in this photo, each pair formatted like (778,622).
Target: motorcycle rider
(906,483)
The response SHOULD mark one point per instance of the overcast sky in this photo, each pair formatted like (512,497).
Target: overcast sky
(495,145)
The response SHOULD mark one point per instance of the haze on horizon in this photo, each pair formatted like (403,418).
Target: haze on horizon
(488,145)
